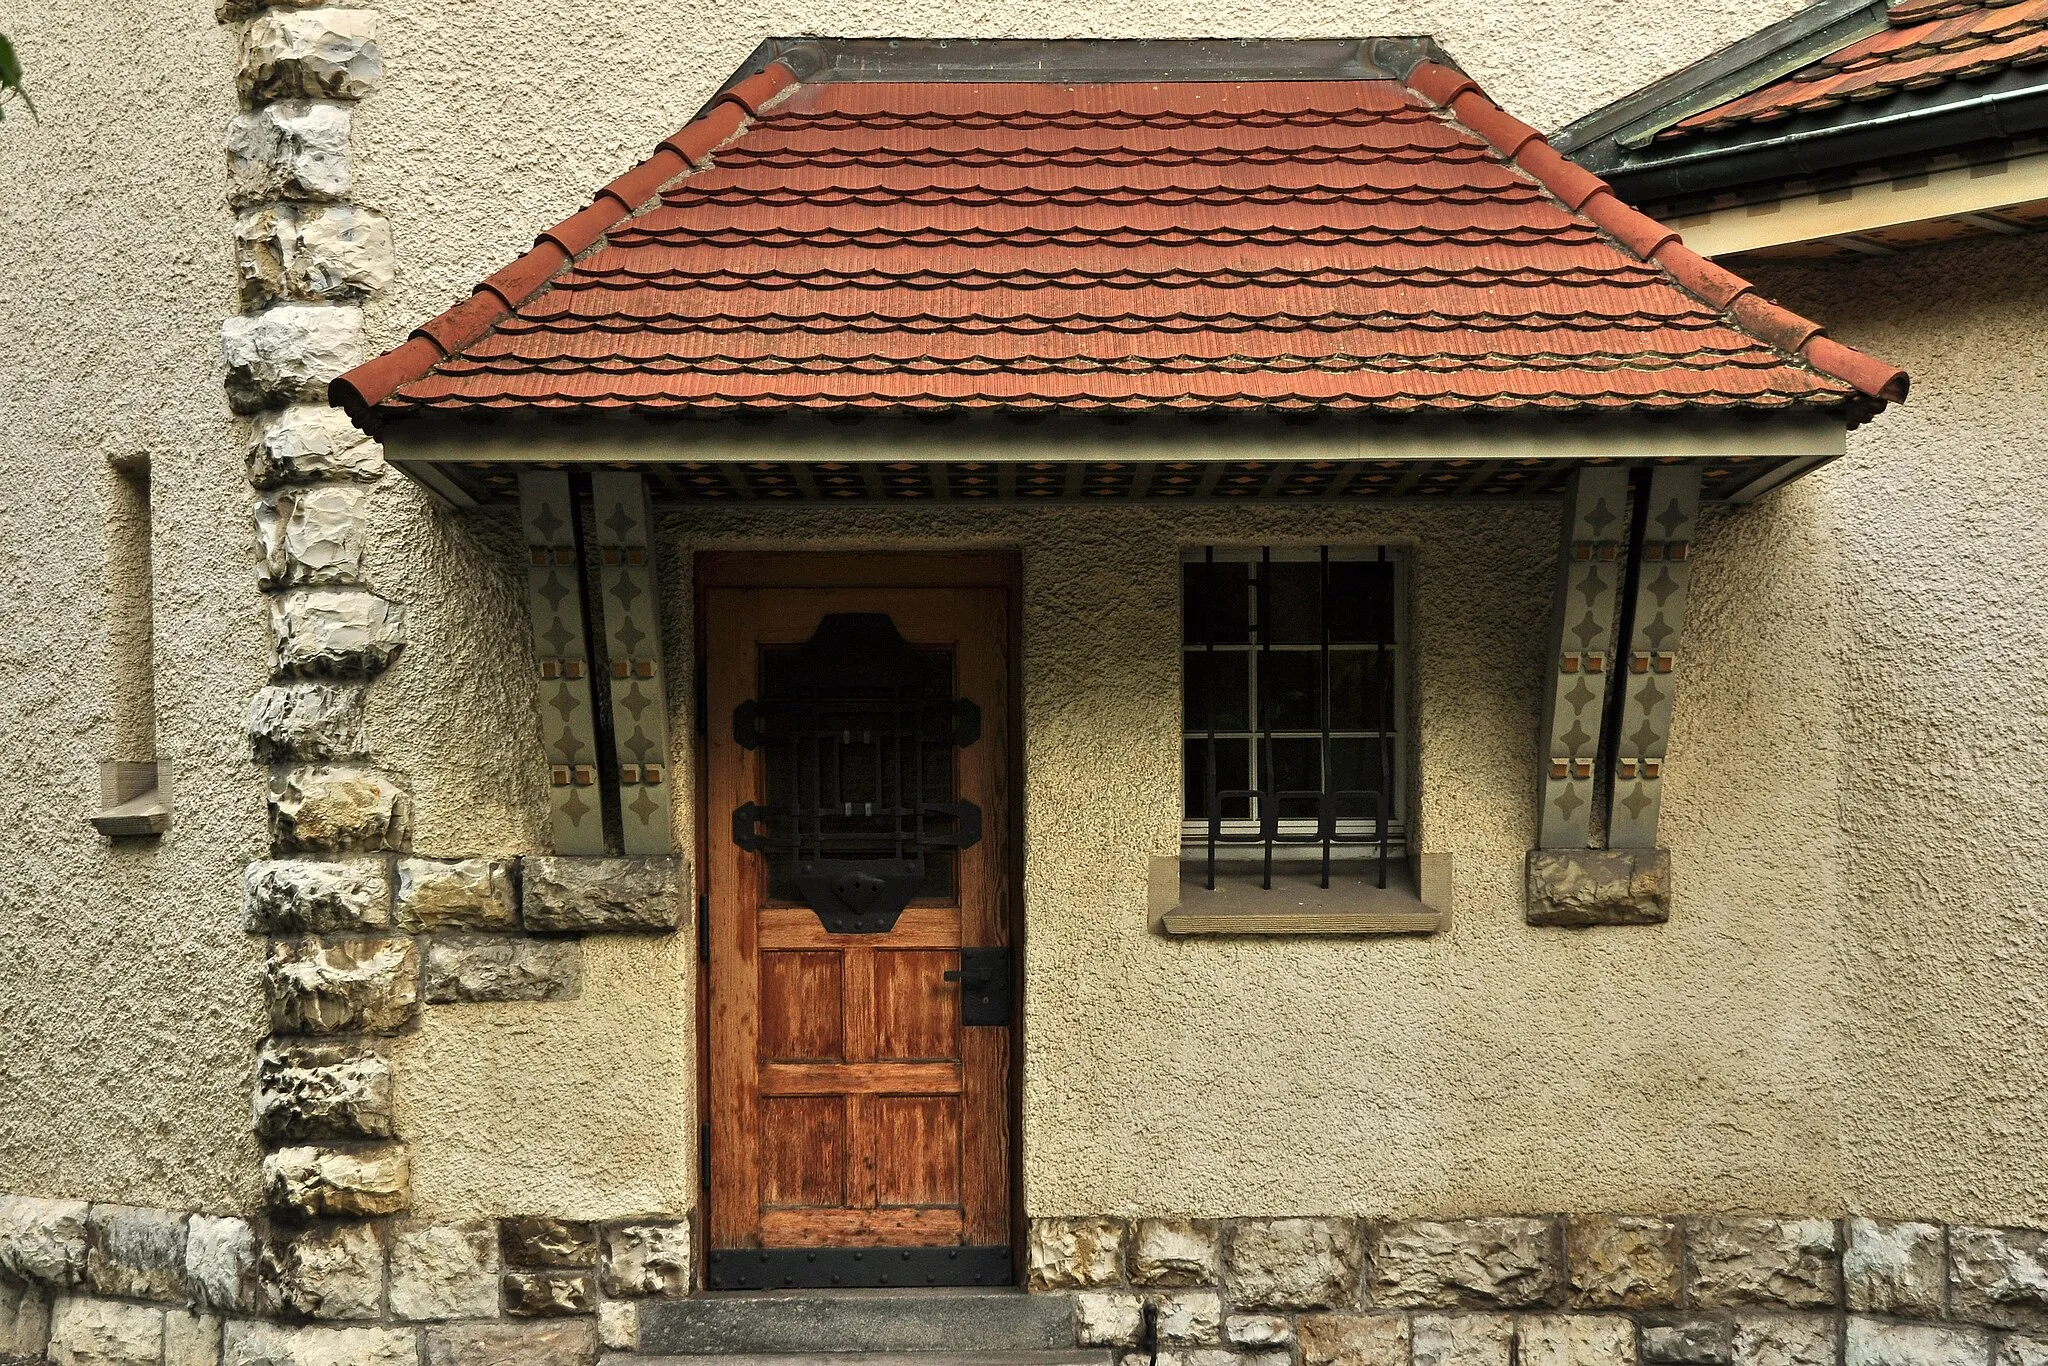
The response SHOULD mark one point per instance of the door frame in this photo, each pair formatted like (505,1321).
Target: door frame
(1000,569)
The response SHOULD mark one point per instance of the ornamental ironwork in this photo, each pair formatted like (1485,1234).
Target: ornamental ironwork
(858,731)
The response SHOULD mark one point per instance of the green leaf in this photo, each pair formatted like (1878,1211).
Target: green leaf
(10,78)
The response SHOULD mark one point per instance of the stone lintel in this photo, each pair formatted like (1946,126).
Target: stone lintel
(1577,887)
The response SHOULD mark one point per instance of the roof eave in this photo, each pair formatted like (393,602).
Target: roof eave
(1599,140)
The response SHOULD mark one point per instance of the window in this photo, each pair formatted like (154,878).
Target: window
(1291,697)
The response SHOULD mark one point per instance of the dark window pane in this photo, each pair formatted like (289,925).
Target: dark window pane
(1214,690)
(1361,600)
(1290,690)
(1355,768)
(1232,774)
(1215,602)
(1361,696)
(1293,603)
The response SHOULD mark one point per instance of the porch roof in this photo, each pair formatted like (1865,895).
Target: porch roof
(1078,227)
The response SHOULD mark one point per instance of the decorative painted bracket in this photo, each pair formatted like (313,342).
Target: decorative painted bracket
(554,597)
(1663,563)
(1589,578)
(632,631)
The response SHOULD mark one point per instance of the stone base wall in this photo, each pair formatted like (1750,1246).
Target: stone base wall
(1579,1290)
(113,1285)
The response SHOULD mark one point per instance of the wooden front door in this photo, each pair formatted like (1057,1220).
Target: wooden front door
(859,1076)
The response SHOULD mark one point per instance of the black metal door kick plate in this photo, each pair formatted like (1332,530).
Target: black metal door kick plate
(809,1268)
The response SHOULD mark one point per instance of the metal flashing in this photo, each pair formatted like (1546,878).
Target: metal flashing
(1735,70)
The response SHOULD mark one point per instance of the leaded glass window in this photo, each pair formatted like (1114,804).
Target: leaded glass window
(1291,694)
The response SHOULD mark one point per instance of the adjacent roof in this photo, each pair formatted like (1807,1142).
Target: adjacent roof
(1924,44)
(1838,91)
(1386,240)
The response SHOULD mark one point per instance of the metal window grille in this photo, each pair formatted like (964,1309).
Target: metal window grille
(1291,683)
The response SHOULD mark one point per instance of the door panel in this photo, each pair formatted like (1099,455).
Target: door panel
(849,1106)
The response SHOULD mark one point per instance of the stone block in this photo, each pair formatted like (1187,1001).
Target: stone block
(1873,1342)
(248,1343)
(582,895)
(1108,1318)
(1576,1340)
(1581,887)
(294,149)
(309,442)
(327,253)
(136,1254)
(1188,1318)
(1785,1340)
(321,1090)
(1353,1339)
(338,1183)
(457,894)
(335,632)
(308,896)
(324,1271)
(445,1271)
(503,969)
(564,1342)
(1258,1331)
(1738,1260)
(1691,1342)
(191,1339)
(1626,1261)
(314,720)
(312,534)
(2014,1350)
(1894,1268)
(310,1090)
(1462,1339)
(547,1294)
(1202,1356)
(618,1326)
(350,986)
(221,1263)
(1293,1263)
(646,1257)
(1071,1254)
(1476,1263)
(310,54)
(43,1240)
(337,809)
(1176,1252)
(94,1332)
(24,1320)
(1999,1276)
(288,354)
(548,1242)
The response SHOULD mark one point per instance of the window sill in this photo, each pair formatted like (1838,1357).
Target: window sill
(135,799)
(1416,900)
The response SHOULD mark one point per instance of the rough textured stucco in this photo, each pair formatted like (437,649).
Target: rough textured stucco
(128,999)
(1943,628)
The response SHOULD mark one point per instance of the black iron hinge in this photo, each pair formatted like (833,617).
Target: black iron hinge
(704,1156)
(703,927)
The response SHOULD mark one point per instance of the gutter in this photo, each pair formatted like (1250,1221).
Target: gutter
(1842,140)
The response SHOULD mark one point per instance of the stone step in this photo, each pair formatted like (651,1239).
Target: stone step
(958,1323)
(1072,1356)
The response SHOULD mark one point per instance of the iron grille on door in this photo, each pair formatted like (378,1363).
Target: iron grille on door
(1290,681)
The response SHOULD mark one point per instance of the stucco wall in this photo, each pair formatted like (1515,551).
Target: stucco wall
(1838,1015)
(128,1002)
(1941,634)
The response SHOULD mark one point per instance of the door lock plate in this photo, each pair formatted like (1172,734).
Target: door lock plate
(984,978)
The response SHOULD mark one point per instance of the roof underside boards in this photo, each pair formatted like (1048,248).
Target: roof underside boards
(1926,44)
(1278,245)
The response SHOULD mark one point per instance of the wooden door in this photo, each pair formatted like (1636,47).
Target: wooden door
(859,1127)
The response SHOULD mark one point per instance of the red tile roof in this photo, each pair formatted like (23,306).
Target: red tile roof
(1302,244)
(1926,43)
